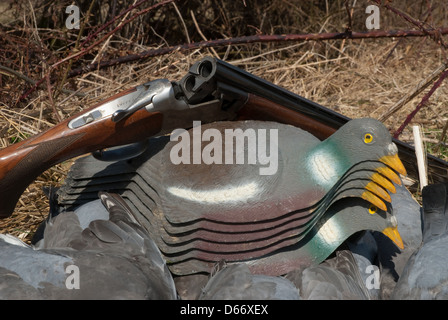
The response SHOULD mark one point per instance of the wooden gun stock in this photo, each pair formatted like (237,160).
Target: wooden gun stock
(23,162)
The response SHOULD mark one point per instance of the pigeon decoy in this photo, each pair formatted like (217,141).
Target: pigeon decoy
(111,257)
(235,201)
(342,220)
(425,275)
(236,282)
(268,233)
(347,275)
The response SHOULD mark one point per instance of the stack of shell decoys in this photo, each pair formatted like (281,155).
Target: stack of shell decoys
(199,214)
(333,221)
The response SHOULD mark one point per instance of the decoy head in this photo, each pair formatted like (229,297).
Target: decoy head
(386,223)
(367,139)
(352,215)
(361,142)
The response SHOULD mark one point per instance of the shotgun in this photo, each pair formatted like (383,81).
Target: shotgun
(125,119)
(212,90)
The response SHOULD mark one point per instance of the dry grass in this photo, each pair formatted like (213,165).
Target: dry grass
(362,78)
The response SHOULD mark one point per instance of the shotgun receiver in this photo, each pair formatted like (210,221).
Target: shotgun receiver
(212,90)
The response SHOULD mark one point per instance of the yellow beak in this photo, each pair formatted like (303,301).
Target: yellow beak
(394,162)
(377,190)
(392,234)
(389,173)
(373,199)
(382,181)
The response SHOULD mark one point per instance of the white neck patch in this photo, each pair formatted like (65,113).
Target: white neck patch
(330,232)
(220,195)
(324,167)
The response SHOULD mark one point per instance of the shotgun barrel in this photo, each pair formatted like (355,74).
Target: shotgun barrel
(231,83)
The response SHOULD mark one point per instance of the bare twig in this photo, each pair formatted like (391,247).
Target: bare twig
(17,74)
(421,104)
(428,6)
(182,21)
(31,90)
(436,36)
(422,85)
(349,26)
(50,97)
(110,37)
(94,34)
(84,51)
(201,34)
(442,137)
(81,30)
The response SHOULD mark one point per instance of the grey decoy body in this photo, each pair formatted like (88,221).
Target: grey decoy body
(345,277)
(350,273)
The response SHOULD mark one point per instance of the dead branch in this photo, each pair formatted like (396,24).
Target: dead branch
(120,26)
(253,39)
(425,99)
(69,66)
(86,50)
(19,75)
(441,72)
(50,97)
(436,36)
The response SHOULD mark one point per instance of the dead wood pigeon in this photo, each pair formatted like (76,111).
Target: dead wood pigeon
(236,282)
(425,274)
(392,259)
(337,278)
(111,257)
